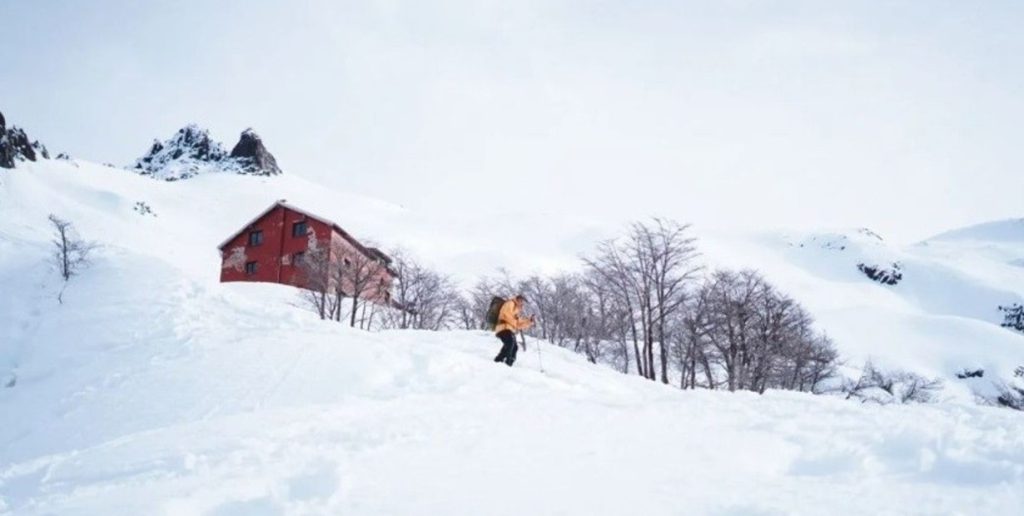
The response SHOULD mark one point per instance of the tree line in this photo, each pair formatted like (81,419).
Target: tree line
(643,304)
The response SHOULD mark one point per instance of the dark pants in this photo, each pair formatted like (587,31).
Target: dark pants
(508,347)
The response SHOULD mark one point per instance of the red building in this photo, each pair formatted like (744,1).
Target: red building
(272,247)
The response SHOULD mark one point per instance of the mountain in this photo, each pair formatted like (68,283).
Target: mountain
(145,386)
(938,316)
(15,146)
(1004,231)
(191,151)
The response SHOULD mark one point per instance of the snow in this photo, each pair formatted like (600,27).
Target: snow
(940,318)
(1011,230)
(154,389)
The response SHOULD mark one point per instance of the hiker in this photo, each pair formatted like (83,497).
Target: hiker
(508,324)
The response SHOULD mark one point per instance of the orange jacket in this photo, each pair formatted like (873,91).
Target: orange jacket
(508,318)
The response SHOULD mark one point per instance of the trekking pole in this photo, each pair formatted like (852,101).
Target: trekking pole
(536,345)
(539,361)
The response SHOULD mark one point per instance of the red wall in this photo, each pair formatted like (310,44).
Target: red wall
(374,291)
(274,256)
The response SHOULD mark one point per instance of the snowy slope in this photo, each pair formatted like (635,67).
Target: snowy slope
(938,320)
(153,389)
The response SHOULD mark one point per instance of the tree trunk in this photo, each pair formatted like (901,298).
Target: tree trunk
(362,318)
(66,267)
(707,371)
(664,356)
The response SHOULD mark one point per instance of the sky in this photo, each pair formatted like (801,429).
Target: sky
(899,116)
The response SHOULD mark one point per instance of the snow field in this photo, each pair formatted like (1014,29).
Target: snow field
(153,389)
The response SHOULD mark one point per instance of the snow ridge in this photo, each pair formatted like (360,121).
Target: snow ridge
(1010,230)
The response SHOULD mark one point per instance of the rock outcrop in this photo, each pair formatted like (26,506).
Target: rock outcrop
(252,157)
(191,151)
(890,275)
(15,146)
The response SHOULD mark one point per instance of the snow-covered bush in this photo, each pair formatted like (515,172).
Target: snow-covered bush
(1008,395)
(143,209)
(895,386)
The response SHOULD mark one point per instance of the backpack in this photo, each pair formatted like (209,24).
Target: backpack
(494,309)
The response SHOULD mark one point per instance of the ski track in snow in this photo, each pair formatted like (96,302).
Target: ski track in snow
(155,390)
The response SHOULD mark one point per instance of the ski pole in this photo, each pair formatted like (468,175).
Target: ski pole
(539,361)
(536,345)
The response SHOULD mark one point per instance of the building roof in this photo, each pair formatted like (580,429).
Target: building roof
(371,252)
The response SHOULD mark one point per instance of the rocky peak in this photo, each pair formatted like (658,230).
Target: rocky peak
(253,157)
(15,146)
(192,151)
(194,142)
(181,156)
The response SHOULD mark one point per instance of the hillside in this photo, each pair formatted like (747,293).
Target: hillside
(939,319)
(151,388)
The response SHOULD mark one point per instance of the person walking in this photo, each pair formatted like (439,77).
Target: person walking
(510,322)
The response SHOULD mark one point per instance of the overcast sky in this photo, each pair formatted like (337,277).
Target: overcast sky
(902,116)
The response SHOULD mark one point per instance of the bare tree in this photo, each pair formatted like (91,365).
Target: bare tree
(607,321)
(314,270)
(690,342)
(406,273)
(738,331)
(671,254)
(650,271)
(610,265)
(71,252)
(355,275)
(465,313)
(640,291)
(426,299)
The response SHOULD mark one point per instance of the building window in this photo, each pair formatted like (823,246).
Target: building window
(250,268)
(299,229)
(256,237)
